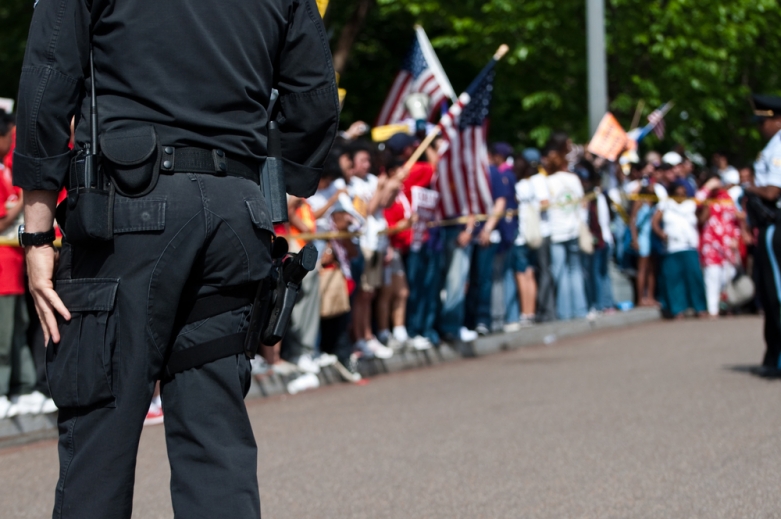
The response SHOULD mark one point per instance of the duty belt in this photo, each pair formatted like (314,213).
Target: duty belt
(212,162)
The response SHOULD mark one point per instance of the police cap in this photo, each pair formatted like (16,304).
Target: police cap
(766,105)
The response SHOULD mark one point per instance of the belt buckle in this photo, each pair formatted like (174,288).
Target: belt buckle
(220,163)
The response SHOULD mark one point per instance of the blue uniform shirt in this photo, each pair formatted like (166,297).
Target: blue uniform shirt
(503,186)
(767,168)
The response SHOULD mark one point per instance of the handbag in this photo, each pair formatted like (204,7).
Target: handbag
(531,228)
(586,239)
(740,290)
(334,297)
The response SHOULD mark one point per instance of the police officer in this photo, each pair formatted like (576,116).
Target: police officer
(183,91)
(763,203)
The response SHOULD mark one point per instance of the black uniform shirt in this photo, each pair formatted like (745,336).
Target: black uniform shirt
(200,71)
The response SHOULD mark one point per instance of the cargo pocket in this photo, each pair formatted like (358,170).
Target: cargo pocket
(81,368)
(259,214)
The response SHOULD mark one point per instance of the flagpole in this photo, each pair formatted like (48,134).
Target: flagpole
(648,128)
(638,114)
(457,108)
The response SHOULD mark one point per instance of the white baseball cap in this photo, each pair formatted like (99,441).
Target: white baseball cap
(672,158)
(730,176)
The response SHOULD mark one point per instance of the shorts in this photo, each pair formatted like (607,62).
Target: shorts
(371,277)
(394,268)
(521,258)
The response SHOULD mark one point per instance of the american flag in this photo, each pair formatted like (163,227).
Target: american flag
(656,118)
(421,72)
(463,178)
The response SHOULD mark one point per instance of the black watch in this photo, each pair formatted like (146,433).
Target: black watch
(28,239)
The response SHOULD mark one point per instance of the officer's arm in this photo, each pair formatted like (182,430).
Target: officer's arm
(769,193)
(49,90)
(308,102)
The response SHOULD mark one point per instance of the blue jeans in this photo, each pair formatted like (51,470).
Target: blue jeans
(568,275)
(478,298)
(422,269)
(512,303)
(599,290)
(456,275)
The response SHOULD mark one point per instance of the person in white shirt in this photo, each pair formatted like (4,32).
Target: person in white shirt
(681,281)
(546,289)
(564,214)
(370,197)
(522,254)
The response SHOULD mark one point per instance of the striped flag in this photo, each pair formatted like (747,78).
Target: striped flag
(463,180)
(656,120)
(421,72)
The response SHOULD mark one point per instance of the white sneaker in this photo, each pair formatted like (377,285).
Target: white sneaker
(394,344)
(284,368)
(384,336)
(302,383)
(307,365)
(5,405)
(378,350)
(259,366)
(350,372)
(419,343)
(325,359)
(467,335)
(13,409)
(31,403)
(48,406)
(511,327)
(400,333)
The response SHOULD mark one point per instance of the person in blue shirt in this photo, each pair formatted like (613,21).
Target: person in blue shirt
(490,240)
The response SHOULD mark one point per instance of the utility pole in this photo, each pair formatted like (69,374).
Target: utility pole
(597,62)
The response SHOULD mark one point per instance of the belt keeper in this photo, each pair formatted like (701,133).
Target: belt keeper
(168,162)
(220,163)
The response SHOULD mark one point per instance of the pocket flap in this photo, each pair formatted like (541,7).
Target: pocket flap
(88,295)
(259,214)
(138,214)
(130,146)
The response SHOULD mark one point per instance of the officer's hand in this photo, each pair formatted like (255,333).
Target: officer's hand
(40,271)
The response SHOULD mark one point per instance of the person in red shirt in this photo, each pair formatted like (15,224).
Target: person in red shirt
(17,370)
(417,252)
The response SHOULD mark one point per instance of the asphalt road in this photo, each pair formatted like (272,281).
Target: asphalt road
(653,421)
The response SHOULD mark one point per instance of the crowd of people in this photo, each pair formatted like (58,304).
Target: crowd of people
(391,279)
(396,274)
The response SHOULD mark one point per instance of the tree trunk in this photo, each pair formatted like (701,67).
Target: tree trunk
(350,32)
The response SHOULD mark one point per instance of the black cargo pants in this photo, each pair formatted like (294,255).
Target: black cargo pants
(767,263)
(191,236)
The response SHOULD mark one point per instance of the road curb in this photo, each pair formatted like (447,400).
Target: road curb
(25,429)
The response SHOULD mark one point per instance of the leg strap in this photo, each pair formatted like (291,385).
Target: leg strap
(205,353)
(227,300)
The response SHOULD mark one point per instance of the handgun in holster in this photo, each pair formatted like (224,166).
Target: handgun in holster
(277,293)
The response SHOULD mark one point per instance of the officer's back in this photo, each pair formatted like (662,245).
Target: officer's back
(168,239)
(201,72)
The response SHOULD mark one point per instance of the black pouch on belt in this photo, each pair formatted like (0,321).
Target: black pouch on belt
(131,158)
(89,216)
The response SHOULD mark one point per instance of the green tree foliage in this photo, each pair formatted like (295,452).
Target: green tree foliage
(705,56)
(15,18)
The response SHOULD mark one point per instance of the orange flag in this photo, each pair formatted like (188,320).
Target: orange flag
(609,140)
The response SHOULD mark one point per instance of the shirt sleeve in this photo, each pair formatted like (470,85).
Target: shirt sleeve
(308,100)
(773,163)
(50,87)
